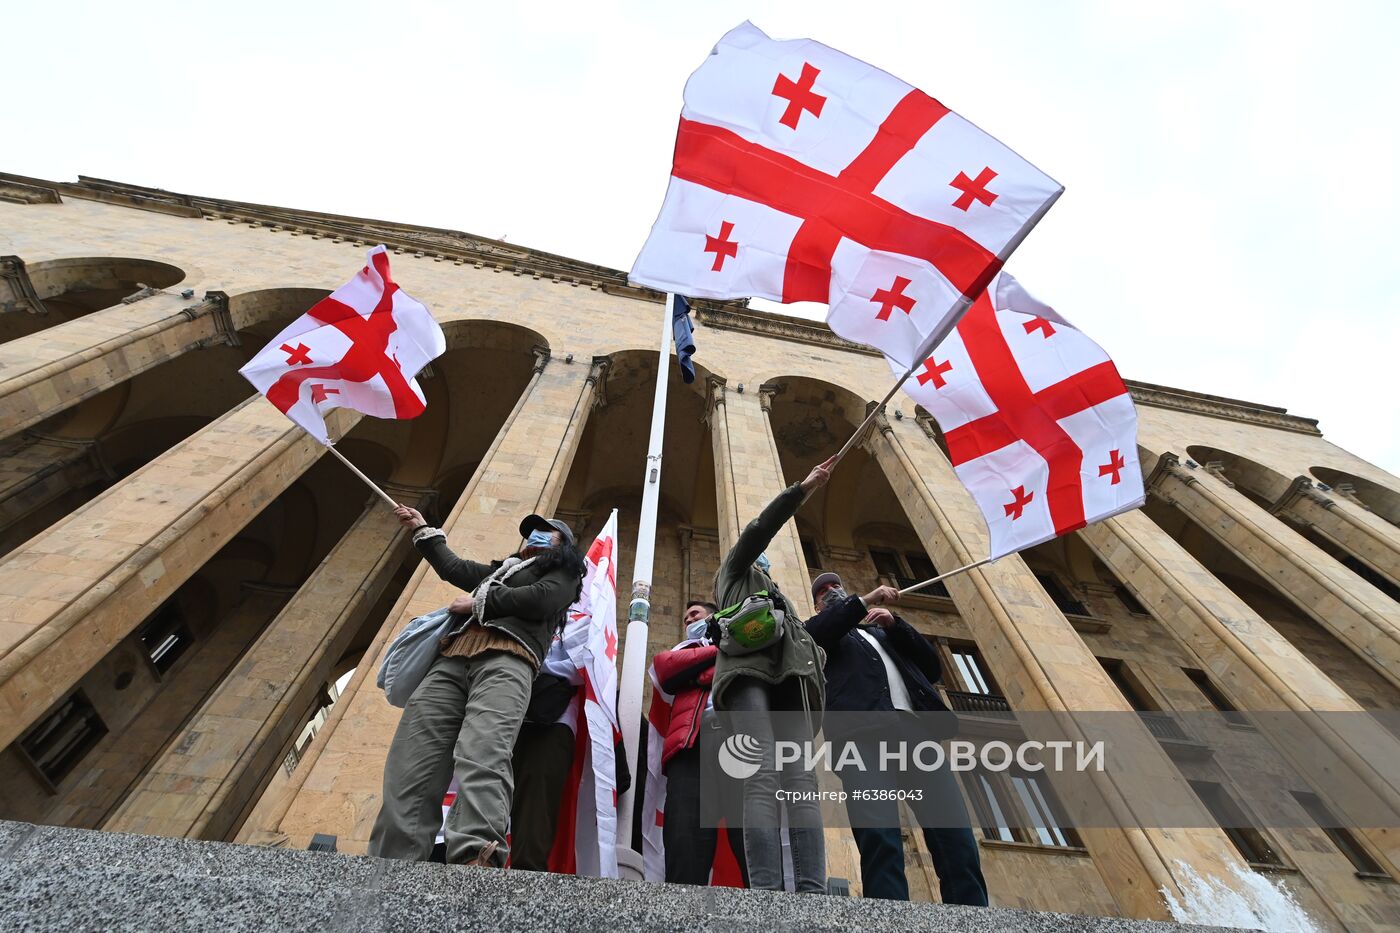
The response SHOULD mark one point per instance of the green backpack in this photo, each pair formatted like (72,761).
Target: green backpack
(749,626)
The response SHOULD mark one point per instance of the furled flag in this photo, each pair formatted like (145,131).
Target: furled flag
(1039,425)
(724,871)
(684,333)
(586,840)
(802,174)
(359,348)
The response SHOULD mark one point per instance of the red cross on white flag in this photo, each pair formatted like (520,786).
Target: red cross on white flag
(359,348)
(1040,427)
(802,174)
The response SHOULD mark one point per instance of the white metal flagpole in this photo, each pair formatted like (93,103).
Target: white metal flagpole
(634,654)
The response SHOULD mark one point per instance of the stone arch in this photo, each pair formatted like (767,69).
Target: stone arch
(61,290)
(1381,500)
(1257,482)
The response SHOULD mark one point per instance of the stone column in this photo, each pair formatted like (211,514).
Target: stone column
(1044,666)
(208,776)
(1361,616)
(337,786)
(1366,536)
(1260,668)
(70,594)
(60,366)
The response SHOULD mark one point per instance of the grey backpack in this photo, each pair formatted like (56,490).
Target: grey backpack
(410,655)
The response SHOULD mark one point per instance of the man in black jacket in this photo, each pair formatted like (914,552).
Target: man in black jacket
(877,663)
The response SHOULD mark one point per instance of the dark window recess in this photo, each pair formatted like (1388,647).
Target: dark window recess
(1060,596)
(1211,692)
(1018,807)
(887,564)
(1248,840)
(1371,577)
(165,637)
(921,569)
(1341,837)
(60,740)
(809,552)
(1128,685)
(1129,601)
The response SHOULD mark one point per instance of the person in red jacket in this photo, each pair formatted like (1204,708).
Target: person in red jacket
(686,672)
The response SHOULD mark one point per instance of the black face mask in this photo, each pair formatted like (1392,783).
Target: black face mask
(833,596)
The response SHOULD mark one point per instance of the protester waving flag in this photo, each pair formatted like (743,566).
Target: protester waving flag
(802,174)
(359,348)
(1039,425)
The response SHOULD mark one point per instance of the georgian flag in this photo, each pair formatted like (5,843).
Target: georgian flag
(585,841)
(1039,425)
(359,348)
(802,174)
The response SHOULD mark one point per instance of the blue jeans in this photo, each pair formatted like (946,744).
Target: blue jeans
(751,703)
(942,815)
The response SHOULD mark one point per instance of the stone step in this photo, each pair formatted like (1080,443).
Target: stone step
(55,878)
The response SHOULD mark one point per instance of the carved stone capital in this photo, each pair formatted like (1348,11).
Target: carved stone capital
(215,306)
(1301,488)
(22,293)
(1216,468)
(766,393)
(421,497)
(541,358)
(597,381)
(714,396)
(1168,468)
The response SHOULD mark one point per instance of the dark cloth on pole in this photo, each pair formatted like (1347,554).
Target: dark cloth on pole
(684,333)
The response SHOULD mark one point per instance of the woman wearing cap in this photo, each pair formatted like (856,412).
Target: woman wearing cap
(469,706)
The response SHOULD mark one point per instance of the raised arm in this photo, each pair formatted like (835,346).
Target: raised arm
(757,535)
(432,544)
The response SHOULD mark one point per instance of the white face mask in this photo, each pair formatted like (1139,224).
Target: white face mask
(698,629)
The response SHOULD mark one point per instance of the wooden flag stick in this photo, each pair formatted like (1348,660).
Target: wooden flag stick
(944,576)
(368,482)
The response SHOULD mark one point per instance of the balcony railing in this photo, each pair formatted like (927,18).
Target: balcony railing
(979,704)
(1164,726)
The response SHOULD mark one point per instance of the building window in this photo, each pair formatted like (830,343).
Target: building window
(165,637)
(1128,685)
(59,741)
(1341,837)
(972,670)
(809,552)
(1060,596)
(1232,821)
(1222,703)
(1016,806)
(1129,601)
(906,569)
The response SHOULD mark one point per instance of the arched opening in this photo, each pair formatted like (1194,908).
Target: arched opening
(67,289)
(1260,484)
(1381,500)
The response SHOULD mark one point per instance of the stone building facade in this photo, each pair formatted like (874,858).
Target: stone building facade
(184,578)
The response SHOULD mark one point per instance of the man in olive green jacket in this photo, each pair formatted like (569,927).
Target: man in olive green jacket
(786,676)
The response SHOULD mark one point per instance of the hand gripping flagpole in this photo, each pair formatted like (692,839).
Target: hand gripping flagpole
(634,653)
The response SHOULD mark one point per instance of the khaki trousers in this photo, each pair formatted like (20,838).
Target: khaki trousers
(466,712)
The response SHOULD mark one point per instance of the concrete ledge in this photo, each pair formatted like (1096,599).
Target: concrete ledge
(55,878)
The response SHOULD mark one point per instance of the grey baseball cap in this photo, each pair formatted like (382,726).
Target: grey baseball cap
(539,523)
(823,579)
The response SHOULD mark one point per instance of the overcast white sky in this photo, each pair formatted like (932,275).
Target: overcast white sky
(1228,224)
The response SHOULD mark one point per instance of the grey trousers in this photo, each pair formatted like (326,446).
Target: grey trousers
(467,712)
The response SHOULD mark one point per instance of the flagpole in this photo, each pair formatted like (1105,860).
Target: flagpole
(943,576)
(634,655)
(368,482)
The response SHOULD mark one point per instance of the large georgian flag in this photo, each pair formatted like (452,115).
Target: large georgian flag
(359,348)
(1039,425)
(802,174)
(585,842)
